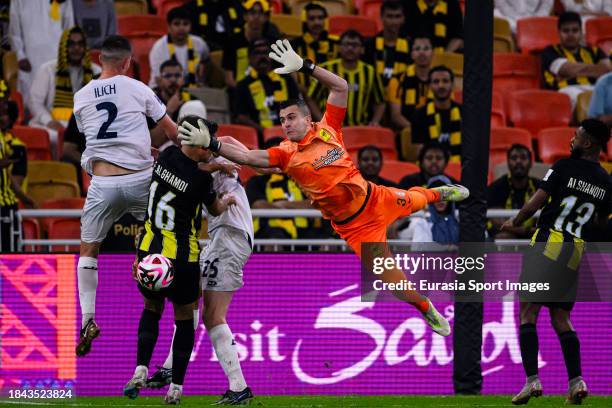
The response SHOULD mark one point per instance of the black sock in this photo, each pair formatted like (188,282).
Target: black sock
(181,349)
(571,353)
(528,339)
(148,329)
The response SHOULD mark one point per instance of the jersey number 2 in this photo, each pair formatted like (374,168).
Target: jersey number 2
(111,108)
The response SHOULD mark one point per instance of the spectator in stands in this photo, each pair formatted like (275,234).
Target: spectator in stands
(369,163)
(260,93)
(388,50)
(56,82)
(439,225)
(433,159)
(277,191)
(97,19)
(410,90)
(601,101)
(235,54)
(35,28)
(16,148)
(170,87)
(179,45)
(589,8)
(216,20)
(512,191)
(440,118)
(441,20)
(366,99)
(514,10)
(316,43)
(569,67)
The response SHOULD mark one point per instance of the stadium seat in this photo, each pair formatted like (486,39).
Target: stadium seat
(245,134)
(18,99)
(513,72)
(535,110)
(371,9)
(166,5)
(245,173)
(339,24)
(142,25)
(501,140)
(36,140)
(49,179)
(216,102)
(453,169)
(452,60)
(553,143)
(356,137)
(582,105)
(276,6)
(533,34)
(334,7)
(599,33)
(274,131)
(130,7)
(65,228)
(30,229)
(607,166)
(395,170)
(502,35)
(498,114)
(75,203)
(289,25)
(10,69)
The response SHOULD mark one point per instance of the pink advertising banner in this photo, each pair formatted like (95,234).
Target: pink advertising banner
(300,328)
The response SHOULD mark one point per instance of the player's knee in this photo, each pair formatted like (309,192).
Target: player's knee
(155,306)
(529,314)
(560,321)
(212,316)
(183,312)
(90,249)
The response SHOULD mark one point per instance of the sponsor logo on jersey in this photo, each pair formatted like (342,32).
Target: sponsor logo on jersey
(331,156)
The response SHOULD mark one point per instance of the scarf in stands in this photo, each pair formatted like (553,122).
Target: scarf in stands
(439,13)
(4,91)
(193,59)
(402,47)
(232,13)
(585,55)
(529,191)
(63,101)
(415,93)
(445,227)
(277,91)
(434,124)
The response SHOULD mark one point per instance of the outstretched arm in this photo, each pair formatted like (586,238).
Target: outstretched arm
(530,208)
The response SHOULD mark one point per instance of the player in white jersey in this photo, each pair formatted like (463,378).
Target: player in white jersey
(221,262)
(112,113)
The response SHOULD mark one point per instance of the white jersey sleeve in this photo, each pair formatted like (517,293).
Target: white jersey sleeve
(112,114)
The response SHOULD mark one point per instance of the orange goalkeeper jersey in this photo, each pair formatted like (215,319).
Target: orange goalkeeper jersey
(320,164)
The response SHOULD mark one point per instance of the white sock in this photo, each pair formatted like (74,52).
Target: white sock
(196,318)
(174,386)
(222,340)
(168,362)
(87,272)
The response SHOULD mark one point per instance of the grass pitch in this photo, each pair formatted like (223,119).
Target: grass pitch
(315,401)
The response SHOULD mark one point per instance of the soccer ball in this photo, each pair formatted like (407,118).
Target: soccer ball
(155,272)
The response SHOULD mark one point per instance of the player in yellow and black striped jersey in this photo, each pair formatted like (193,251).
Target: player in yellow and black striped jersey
(576,195)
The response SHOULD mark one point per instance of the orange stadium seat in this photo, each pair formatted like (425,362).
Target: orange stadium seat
(36,140)
(18,99)
(166,5)
(65,228)
(365,25)
(498,115)
(51,179)
(356,137)
(276,6)
(599,33)
(274,131)
(533,34)
(512,72)
(501,140)
(395,170)
(130,7)
(75,203)
(142,31)
(371,9)
(245,134)
(553,143)
(30,229)
(453,169)
(245,174)
(535,110)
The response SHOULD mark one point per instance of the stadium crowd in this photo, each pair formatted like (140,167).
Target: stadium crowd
(402,60)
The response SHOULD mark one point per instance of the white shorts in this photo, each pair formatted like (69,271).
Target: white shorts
(222,260)
(111,197)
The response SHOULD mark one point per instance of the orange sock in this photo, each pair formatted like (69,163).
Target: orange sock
(432,196)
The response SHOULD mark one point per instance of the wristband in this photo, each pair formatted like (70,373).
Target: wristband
(214,145)
(307,67)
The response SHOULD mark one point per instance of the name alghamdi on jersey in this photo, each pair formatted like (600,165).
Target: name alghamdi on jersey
(586,188)
(171,179)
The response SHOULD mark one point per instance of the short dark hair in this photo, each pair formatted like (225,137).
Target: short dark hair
(597,131)
(390,5)
(178,13)
(115,48)
(419,36)
(434,145)
(569,17)
(299,102)
(440,68)
(169,63)
(369,148)
(315,5)
(518,146)
(193,120)
(352,34)
(273,141)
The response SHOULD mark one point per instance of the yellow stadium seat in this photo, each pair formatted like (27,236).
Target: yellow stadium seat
(582,105)
(502,36)
(129,7)
(607,166)
(10,69)
(52,180)
(289,25)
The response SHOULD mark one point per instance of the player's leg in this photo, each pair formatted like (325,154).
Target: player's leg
(570,345)
(148,331)
(528,342)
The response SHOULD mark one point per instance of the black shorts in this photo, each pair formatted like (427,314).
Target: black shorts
(184,289)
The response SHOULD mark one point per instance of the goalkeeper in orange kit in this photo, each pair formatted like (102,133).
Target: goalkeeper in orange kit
(315,157)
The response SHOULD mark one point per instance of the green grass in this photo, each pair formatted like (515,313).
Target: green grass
(317,401)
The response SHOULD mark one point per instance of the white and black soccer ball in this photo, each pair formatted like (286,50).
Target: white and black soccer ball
(155,272)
